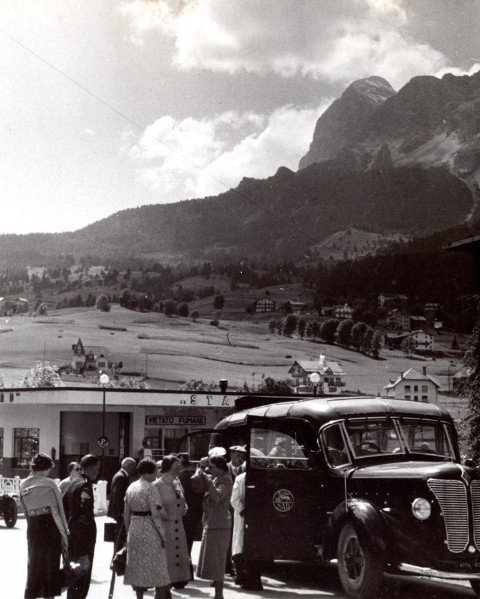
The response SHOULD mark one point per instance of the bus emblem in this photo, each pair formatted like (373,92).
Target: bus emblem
(283,501)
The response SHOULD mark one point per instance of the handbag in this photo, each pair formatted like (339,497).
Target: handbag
(72,571)
(119,562)
(109,529)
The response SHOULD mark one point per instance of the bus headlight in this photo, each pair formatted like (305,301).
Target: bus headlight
(421,508)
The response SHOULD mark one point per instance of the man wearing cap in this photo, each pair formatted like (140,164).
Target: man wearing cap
(236,465)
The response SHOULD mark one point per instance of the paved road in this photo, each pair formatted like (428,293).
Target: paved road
(282,582)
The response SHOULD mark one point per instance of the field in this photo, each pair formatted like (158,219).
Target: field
(170,351)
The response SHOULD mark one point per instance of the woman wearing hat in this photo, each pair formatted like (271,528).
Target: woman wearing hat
(47,530)
(217,523)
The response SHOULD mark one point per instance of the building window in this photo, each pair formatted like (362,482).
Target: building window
(424,388)
(415,388)
(407,388)
(408,397)
(424,397)
(26,446)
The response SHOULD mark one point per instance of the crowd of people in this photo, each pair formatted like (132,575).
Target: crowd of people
(159,508)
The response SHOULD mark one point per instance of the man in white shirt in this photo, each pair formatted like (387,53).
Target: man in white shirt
(74,471)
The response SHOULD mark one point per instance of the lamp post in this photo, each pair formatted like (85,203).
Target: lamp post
(103,441)
(315,379)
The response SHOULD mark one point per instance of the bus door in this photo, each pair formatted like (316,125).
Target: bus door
(283,490)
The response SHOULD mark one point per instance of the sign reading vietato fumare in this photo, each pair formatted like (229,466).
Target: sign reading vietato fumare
(175,420)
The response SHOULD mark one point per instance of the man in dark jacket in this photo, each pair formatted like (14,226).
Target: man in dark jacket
(78,502)
(119,487)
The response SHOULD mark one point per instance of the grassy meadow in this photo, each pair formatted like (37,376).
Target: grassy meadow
(169,351)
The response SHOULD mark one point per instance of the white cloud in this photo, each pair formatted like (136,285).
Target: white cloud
(196,158)
(338,40)
(459,72)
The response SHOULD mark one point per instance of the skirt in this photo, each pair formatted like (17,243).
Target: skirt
(146,558)
(44,552)
(213,553)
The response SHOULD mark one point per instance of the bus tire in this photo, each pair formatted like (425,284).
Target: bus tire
(360,574)
(475,584)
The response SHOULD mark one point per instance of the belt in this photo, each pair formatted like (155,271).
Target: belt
(39,511)
(141,513)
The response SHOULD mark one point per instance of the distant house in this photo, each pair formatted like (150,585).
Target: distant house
(387,299)
(297,307)
(90,357)
(399,319)
(330,374)
(265,304)
(423,341)
(418,323)
(413,386)
(343,312)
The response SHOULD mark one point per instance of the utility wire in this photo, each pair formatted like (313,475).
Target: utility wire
(142,129)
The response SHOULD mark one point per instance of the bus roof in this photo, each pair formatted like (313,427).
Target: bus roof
(321,410)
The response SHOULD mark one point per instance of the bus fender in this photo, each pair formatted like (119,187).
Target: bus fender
(368,523)
(370,527)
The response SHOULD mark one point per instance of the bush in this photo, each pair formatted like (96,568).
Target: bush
(103,303)
(182,309)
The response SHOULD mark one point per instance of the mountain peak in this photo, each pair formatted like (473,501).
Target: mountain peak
(341,122)
(375,88)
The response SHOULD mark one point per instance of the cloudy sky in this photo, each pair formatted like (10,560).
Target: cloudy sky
(112,104)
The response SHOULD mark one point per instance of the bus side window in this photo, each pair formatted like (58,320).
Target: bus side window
(276,449)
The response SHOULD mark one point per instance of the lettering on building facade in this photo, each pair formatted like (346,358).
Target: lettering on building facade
(156,420)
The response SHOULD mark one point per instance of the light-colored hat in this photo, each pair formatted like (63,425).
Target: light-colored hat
(216,452)
(238,448)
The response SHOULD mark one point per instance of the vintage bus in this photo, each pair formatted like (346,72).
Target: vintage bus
(375,485)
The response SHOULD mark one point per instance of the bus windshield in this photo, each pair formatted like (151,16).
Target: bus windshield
(382,436)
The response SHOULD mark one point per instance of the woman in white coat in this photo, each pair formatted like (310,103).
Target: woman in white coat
(247,572)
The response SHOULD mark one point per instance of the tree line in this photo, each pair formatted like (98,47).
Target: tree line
(356,335)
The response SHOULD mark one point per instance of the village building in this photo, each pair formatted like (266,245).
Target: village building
(399,319)
(69,422)
(418,323)
(421,341)
(330,373)
(343,312)
(412,385)
(297,307)
(90,357)
(265,304)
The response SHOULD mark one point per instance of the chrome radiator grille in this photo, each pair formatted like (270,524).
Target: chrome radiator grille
(475,490)
(452,498)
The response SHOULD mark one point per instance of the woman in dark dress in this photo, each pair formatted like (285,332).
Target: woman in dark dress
(217,523)
(47,530)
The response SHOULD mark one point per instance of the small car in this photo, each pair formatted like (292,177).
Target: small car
(8,509)
(374,485)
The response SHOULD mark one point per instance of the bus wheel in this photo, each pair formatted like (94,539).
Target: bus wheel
(360,574)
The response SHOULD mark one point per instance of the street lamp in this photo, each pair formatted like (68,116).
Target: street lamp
(103,441)
(315,379)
